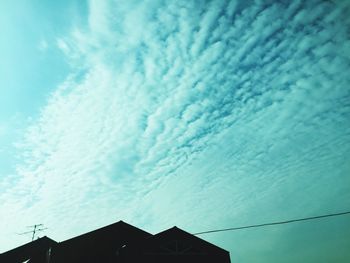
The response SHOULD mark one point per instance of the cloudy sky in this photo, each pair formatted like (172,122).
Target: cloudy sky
(200,114)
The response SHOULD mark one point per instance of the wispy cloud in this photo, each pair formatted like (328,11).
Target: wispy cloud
(174,110)
(43,45)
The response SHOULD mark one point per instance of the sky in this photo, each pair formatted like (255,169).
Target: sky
(199,114)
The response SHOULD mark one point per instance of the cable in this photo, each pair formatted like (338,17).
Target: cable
(272,223)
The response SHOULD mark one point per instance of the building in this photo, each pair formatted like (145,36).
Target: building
(172,246)
(120,242)
(35,251)
(101,245)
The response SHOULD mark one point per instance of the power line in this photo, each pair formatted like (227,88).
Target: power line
(272,223)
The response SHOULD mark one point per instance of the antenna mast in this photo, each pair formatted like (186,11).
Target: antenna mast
(36,228)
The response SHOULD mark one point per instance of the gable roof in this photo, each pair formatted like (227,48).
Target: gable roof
(101,244)
(119,231)
(27,251)
(172,246)
(120,241)
(181,241)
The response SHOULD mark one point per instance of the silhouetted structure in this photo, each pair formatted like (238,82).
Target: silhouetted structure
(174,246)
(101,245)
(36,228)
(120,243)
(36,251)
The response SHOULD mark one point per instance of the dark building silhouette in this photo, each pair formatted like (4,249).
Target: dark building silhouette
(172,246)
(35,251)
(120,243)
(101,245)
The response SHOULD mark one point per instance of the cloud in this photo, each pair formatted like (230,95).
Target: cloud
(175,111)
(43,45)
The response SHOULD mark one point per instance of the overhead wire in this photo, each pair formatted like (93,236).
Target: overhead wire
(273,223)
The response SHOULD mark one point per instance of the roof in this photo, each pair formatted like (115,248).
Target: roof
(119,228)
(120,242)
(175,245)
(101,244)
(27,251)
(177,237)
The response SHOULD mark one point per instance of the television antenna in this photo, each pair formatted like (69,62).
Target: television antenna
(36,228)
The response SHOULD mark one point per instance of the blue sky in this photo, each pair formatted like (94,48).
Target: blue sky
(200,114)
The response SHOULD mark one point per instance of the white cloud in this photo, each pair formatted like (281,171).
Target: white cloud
(43,45)
(61,44)
(188,109)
